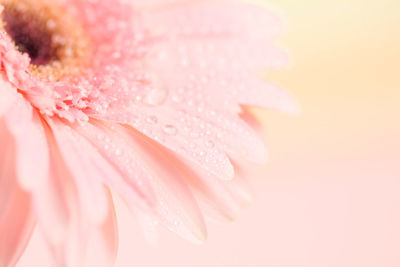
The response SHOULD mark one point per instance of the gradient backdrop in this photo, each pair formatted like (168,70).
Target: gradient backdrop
(330,193)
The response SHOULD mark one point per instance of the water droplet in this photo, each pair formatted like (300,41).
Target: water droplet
(170,129)
(177,99)
(209,143)
(155,97)
(152,119)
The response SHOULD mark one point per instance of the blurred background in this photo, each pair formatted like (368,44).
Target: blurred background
(330,194)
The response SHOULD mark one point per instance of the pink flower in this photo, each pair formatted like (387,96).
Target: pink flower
(145,99)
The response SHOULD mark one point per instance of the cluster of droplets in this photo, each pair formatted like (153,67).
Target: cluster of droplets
(188,100)
(182,92)
(192,128)
(117,150)
(115,144)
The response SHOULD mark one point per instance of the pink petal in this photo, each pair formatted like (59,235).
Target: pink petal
(105,172)
(174,204)
(217,49)
(224,129)
(222,200)
(143,4)
(77,155)
(165,125)
(239,187)
(103,241)
(7,163)
(16,225)
(33,175)
(16,220)
(32,156)
(148,223)
(108,149)
(8,94)
(209,72)
(79,225)
(262,94)
(212,193)
(87,243)
(250,118)
(51,198)
(214,17)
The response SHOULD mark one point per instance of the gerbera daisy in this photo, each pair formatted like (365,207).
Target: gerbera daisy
(142,97)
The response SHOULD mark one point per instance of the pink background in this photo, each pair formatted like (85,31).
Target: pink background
(330,193)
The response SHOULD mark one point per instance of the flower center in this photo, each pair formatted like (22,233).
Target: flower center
(30,35)
(55,43)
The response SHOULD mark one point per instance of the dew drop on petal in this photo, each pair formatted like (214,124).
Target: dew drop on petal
(152,119)
(170,129)
(177,99)
(156,97)
(209,143)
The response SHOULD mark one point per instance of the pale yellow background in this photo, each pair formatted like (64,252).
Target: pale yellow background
(330,193)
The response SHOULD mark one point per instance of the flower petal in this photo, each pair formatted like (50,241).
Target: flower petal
(103,240)
(164,124)
(51,198)
(16,226)
(34,175)
(217,57)
(7,163)
(260,93)
(16,220)
(8,94)
(117,161)
(209,17)
(239,188)
(142,4)
(224,129)
(80,227)
(78,156)
(211,192)
(217,49)
(214,55)
(174,205)
(32,156)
